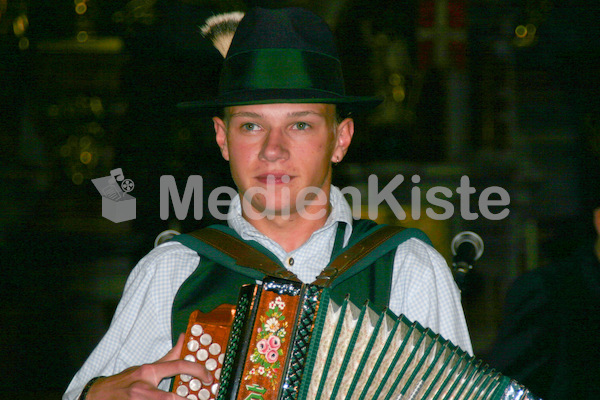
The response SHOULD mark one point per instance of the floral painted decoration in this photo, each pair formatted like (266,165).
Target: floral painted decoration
(270,336)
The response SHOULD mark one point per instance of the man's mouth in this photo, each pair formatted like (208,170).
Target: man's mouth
(274,178)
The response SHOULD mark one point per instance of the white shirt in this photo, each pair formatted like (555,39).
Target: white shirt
(422,289)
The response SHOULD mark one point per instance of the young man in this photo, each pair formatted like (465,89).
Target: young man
(284,124)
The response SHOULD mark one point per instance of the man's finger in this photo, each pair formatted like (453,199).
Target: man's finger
(171,365)
(159,371)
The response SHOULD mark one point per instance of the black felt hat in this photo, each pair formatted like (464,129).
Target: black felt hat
(285,55)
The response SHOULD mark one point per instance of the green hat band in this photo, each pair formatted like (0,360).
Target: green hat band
(281,69)
(283,55)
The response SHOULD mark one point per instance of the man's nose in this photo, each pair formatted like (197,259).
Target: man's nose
(275,146)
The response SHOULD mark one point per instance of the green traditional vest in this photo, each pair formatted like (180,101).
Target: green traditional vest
(230,262)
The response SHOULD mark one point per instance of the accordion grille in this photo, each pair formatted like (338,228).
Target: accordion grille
(235,337)
(310,305)
(289,341)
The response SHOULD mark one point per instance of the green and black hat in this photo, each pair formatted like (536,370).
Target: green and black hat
(285,55)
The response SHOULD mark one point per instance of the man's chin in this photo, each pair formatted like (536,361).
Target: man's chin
(258,206)
(259,210)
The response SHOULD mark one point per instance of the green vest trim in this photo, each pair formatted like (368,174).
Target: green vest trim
(221,274)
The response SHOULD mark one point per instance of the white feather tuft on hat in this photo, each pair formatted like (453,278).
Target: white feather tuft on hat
(221,28)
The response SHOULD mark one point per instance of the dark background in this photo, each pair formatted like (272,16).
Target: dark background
(520,113)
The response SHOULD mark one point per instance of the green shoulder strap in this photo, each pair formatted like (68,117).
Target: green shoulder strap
(224,246)
(368,242)
(375,243)
(366,265)
(227,263)
(248,261)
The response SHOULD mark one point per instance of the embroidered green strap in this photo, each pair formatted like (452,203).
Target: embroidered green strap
(243,254)
(355,253)
(247,256)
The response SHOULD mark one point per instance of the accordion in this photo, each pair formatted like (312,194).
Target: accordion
(286,340)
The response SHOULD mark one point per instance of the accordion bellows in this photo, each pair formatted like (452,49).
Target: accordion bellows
(292,341)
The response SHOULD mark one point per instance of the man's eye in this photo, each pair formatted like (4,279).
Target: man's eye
(249,126)
(301,126)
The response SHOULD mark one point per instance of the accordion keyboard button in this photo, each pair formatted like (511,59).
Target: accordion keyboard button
(193,345)
(204,394)
(182,391)
(221,358)
(218,374)
(190,358)
(205,339)
(185,378)
(197,330)
(192,397)
(211,364)
(202,355)
(195,385)
(214,349)
(214,388)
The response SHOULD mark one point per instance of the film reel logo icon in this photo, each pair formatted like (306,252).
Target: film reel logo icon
(116,175)
(127,185)
(117,203)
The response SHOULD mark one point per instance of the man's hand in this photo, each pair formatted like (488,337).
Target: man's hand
(142,382)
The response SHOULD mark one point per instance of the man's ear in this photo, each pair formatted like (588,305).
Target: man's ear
(345,131)
(221,136)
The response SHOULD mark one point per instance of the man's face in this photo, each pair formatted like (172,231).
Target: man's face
(276,151)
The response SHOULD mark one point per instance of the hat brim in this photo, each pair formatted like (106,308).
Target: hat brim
(267,96)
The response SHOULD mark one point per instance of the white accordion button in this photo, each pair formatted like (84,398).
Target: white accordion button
(206,339)
(214,388)
(214,349)
(195,385)
(190,357)
(182,391)
(218,374)
(185,378)
(192,397)
(204,394)
(193,345)
(197,330)
(211,364)
(221,358)
(202,355)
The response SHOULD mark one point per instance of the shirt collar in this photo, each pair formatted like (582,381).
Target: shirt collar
(340,213)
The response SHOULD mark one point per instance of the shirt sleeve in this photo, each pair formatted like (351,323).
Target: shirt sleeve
(423,290)
(140,330)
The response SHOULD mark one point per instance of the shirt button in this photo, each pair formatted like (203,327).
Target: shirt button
(289,261)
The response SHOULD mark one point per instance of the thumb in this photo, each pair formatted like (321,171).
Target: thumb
(175,352)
